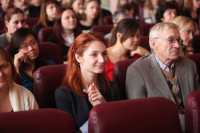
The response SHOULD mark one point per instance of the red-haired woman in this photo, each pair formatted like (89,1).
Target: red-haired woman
(85,84)
(65,30)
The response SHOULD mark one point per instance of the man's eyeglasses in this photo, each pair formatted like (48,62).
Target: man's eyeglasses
(172,40)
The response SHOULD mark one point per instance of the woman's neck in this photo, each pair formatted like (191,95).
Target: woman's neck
(87,22)
(118,50)
(4,92)
(8,36)
(88,78)
(68,32)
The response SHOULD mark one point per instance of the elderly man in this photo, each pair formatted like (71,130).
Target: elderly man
(163,73)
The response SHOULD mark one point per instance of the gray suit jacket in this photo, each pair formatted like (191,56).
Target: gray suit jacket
(144,78)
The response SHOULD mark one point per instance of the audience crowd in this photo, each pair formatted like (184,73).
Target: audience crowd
(160,68)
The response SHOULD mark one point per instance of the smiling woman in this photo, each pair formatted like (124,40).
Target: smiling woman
(12,94)
(85,84)
(24,49)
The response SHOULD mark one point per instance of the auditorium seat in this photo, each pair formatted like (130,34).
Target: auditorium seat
(107,20)
(104,29)
(196,43)
(46,80)
(140,11)
(146,115)
(196,58)
(37,121)
(192,113)
(2,24)
(144,42)
(44,34)
(50,51)
(31,22)
(119,75)
(145,28)
(2,31)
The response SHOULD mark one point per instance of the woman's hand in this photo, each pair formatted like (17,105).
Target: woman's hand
(18,59)
(94,95)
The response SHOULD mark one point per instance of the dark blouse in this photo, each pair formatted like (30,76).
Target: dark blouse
(79,107)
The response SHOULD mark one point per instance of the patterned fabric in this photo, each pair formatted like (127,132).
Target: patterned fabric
(164,67)
(172,81)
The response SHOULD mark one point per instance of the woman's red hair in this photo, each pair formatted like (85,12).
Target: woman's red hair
(72,80)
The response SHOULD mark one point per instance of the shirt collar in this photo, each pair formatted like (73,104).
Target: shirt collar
(164,67)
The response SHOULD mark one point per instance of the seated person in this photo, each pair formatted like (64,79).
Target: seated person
(13,97)
(14,19)
(163,73)
(166,12)
(92,15)
(125,38)
(65,30)
(34,9)
(24,50)
(85,84)
(4,6)
(187,29)
(23,5)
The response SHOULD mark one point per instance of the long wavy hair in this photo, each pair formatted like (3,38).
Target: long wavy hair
(72,80)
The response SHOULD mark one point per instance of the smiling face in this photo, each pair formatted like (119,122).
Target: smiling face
(132,42)
(30,48)
(165,49)
(187,35)
(5,72)
(68,20)
(94,58)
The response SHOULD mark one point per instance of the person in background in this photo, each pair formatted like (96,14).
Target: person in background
(23,5)
(34,9)
(48,13)
(149,10)
(77,6)
(92,15)
(130,9)
(14,19)
(85,84)
(4,6)
(166,12)
(163,73)
(24,49)
(125,37)
(187,29)
(65,30)
(192,9)
(13,97)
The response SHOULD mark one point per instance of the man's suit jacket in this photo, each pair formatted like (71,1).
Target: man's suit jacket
(144,78)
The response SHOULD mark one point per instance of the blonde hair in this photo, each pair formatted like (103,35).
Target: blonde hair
(182,22)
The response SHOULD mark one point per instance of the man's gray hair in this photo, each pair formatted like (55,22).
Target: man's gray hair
(158,28)
(118,13)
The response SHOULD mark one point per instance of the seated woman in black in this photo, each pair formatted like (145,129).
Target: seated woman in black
(85,84)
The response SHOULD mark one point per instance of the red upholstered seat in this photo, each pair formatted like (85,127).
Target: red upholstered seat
(46,80)
(148,115)
(107,20)
(196,44)
(145,28)
(192,113)
(37,121)
(144,42)
(44,34)
(31,22)
(50,51)
(119,75)
(2,24)
(104,29)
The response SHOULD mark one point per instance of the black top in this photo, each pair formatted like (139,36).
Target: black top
(188,14)
(79,107)
(63,47)
(83,27)
(34,12)
(39,26)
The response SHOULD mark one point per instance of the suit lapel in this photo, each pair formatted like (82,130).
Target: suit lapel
(182,73)
(158,77)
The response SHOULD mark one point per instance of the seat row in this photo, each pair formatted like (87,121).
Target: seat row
(154,115)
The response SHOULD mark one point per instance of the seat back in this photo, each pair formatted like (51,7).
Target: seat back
(144,42)
(44,34)
(140,11)
(192,112)
(108,20)
(2,24)
(37,121)
(46,80)
(119,75)
(196,44)
(147,115)
(145,28)
(31,22)
(50,51)
(104,29)
(196,58)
